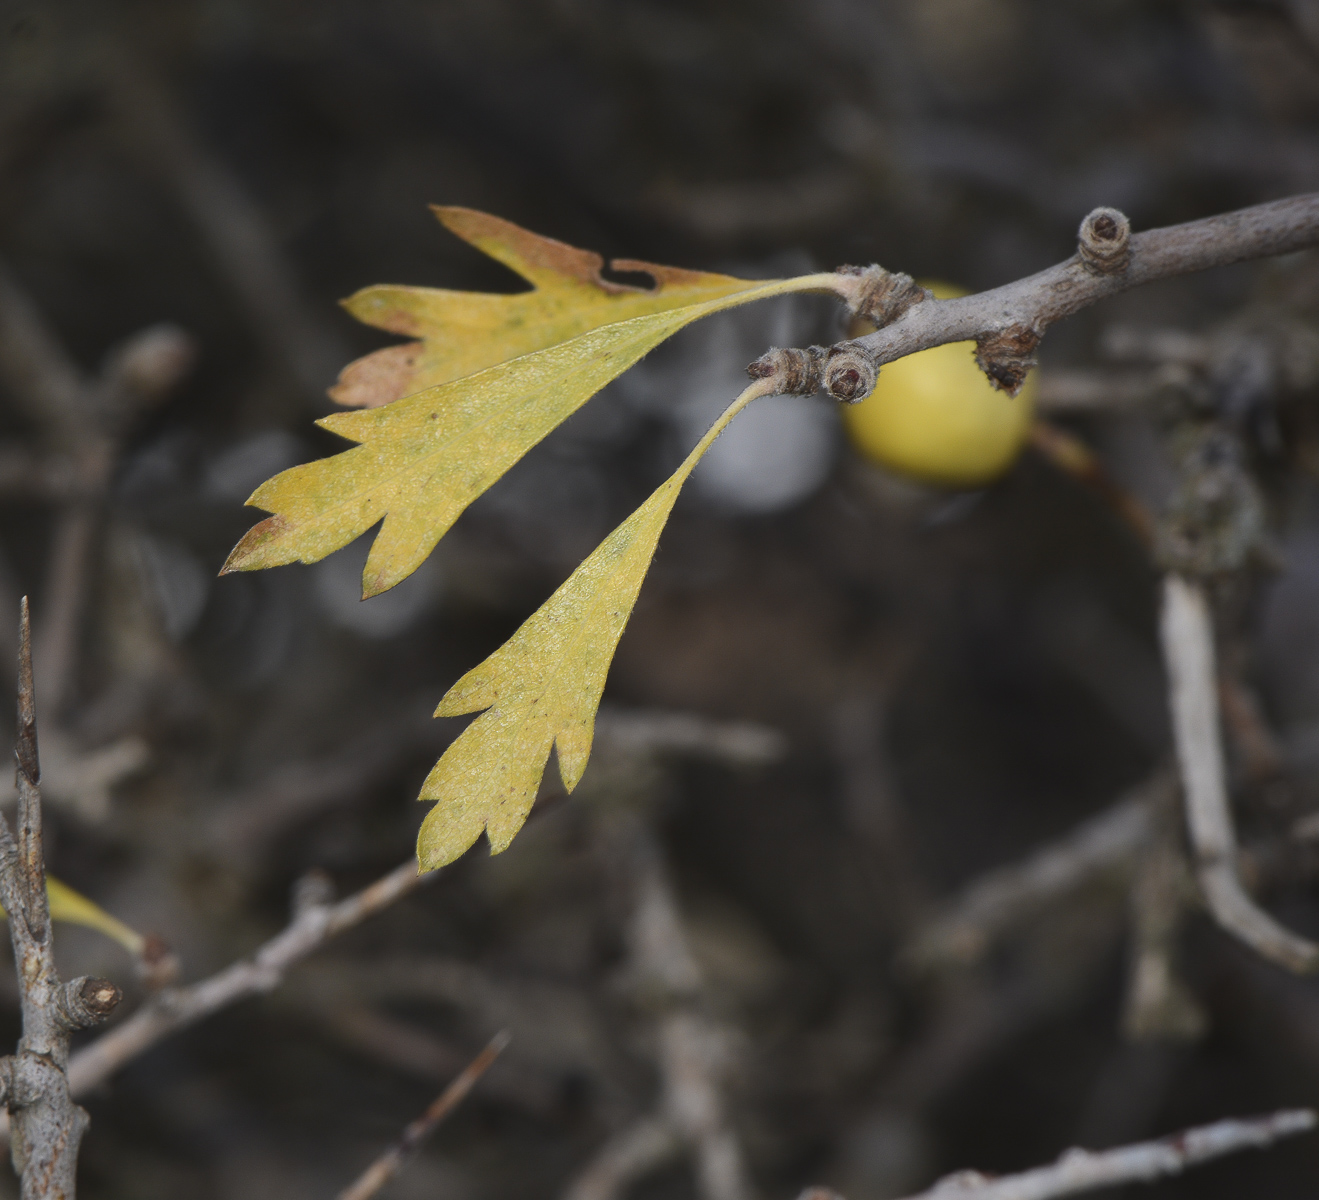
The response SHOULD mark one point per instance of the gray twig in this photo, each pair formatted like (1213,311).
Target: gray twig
(47,1126)
(1187,632)
(1007,322)
(177,1008)
(389,1164)
(1084,1170)
(1029,306)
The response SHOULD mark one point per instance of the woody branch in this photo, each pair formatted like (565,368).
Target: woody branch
(47,1126)
(1007,322)
(1083,1170)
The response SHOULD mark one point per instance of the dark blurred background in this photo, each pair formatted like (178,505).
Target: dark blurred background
(946,682)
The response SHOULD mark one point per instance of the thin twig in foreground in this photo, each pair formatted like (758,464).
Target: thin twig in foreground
(177,1008)
(47,1125)
(388,1164)
(1084,1170)
(1187,633)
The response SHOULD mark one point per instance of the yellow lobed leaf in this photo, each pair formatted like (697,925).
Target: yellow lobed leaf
(465,332)
(423,459)
(74,907)
(542,688)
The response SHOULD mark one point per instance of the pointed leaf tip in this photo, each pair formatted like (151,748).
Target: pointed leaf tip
(438,420)
(542,688)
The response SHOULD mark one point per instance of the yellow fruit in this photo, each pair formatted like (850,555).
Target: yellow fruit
(934,416)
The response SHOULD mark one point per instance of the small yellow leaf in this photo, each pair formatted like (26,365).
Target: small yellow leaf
(423,459)
(466,332)
(74,907)
(543,686)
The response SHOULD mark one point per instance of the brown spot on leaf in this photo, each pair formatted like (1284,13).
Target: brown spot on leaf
(529,254)
(252,541)
(533,254)
(379,378)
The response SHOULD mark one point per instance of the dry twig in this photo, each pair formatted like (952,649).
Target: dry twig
(389,1164)
(47,1125)
(1008,322)
(1187,633)
(177,1008)
(1084,1170)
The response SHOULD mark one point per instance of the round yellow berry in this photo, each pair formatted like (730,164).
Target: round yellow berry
(934,416)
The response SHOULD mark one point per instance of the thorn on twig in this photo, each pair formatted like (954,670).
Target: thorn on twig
(26,749)
(85,1002)
(1104,242)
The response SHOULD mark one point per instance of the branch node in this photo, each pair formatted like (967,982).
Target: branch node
(881,296)
(1007,356)
(1103,242)
(798,371)
(850,372)
(86,1001)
